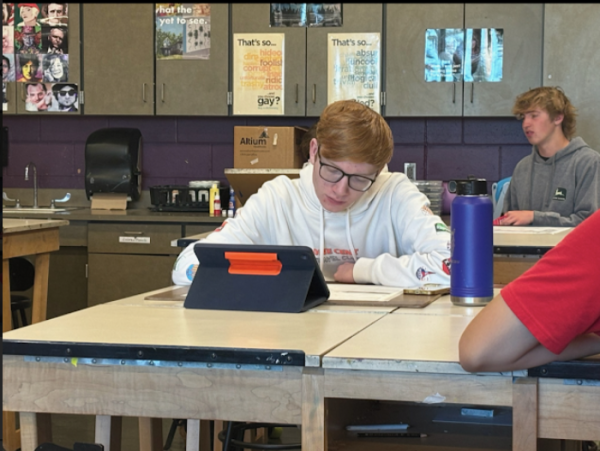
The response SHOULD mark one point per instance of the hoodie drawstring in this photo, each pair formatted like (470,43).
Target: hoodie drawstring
(349,237)
(321,239)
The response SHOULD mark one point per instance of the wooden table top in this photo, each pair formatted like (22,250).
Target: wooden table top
(10,225)
(131,322)
(529,236)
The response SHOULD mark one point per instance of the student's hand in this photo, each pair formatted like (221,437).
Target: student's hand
(517,218)
(345,273)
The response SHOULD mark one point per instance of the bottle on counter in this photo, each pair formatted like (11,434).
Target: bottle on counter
(472,262)
(217,205)
(211,199)
(231,212)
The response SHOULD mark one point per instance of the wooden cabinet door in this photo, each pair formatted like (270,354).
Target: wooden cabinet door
(116,276)
(522,60)
(118,55)
(254,18)
(198,87)
(572,61)
(74,66)
(407,92)
(356,18)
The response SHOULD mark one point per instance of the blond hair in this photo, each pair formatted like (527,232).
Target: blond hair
(551,99)
(349,130)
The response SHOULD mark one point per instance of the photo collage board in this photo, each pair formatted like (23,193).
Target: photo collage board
(35,50)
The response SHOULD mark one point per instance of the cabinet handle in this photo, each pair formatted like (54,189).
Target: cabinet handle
(162,93)
(133,233)
(454,92)
(296,92)
(472,89)
(314,93)
(144,92)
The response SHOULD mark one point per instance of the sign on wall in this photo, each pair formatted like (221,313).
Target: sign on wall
(258,62)
(353,68)
(456,54)
(182,31)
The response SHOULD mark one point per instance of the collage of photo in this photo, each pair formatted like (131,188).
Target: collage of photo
(35,43)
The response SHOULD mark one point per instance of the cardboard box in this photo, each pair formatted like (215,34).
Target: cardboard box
(246,182)
(267,147)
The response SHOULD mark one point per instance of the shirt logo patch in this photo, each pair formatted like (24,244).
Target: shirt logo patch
(446,265)
(560,194)
(422,273)
(439,227)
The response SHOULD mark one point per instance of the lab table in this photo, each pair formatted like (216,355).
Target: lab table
(138,358)
(20,238)
(516,249)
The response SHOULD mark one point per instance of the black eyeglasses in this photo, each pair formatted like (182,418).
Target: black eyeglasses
(332,174)
(70,92)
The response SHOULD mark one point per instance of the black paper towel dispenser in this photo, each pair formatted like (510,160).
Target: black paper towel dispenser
(113,162)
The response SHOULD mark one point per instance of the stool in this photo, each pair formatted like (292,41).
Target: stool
(239,429)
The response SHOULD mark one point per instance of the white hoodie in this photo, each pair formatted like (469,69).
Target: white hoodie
(389,233)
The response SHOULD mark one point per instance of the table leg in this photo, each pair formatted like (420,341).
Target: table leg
(11,438)
(108,432)
(192,442)
(6,315)
(219,426)
(150,430)
(40,288)
(313,409)
(525,411)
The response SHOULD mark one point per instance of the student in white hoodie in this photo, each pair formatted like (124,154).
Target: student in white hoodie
(364,223)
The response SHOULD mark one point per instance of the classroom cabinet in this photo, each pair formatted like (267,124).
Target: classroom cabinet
(118,53)
(255,18)
(407,92)
(16,92)
(305,50)
(572,61)
(357,18)
(121,76)
(198,87)
(129,258)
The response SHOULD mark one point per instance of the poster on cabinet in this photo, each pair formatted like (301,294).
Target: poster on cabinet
(258,74)
(354,69)
(182,31)
(471,55)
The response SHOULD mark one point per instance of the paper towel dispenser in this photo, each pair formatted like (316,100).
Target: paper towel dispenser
(113,162)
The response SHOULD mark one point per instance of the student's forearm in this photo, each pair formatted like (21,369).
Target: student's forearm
(581,346)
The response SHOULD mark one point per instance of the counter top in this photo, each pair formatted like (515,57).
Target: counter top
(131,215)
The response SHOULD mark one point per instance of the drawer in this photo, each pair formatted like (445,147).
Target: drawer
(132,238)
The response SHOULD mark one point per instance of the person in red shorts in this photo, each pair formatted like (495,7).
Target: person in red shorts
(551,312)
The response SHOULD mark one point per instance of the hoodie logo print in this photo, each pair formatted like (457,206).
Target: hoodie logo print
(560,194)
(422,273)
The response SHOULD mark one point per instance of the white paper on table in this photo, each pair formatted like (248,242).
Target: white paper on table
(530,230)
(357,292)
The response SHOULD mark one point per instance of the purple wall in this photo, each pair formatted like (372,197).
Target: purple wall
(179,149)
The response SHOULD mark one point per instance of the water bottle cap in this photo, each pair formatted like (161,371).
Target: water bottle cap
(472,187)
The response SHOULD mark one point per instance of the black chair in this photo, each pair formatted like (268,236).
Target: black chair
(22,276)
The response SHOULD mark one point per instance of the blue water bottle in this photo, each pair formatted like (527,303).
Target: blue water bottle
(471,216)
